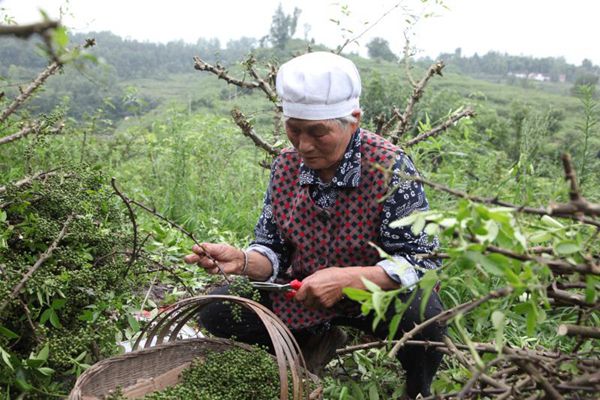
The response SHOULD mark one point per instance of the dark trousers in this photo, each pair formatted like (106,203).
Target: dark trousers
(419,363)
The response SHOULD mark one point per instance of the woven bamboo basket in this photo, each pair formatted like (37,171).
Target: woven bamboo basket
(159,364)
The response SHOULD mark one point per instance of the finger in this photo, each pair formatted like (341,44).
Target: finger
(191,259)
(200,250)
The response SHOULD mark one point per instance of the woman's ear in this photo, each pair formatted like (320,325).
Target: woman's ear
(356,114)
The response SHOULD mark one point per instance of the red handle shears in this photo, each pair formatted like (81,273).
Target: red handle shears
(289,289)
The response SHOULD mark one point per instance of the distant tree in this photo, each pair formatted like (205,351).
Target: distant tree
(380,48)
(283,27)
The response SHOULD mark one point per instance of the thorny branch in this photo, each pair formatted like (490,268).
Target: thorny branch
(449,314)
(180,229)
(28,180)
(34,127)
(45,256)
(134,254)
(36,83)
(247,129)
(221,73)
(551,211)
(25,31)
(404,119)
(468,112)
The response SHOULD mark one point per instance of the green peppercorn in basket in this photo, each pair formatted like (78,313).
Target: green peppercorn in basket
(160,364)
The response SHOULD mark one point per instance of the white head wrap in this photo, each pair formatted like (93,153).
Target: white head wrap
(317,86)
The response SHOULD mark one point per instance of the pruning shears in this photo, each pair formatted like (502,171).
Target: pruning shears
(288,288)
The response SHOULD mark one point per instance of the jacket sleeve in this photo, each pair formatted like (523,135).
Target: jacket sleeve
(408,197)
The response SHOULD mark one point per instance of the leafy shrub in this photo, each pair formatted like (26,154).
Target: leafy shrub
(68,312)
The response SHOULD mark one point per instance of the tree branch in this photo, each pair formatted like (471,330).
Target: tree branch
(180,229)
(25,31)
(264,85)
(578,330)
(551,211)
(247,129)
(221,73)
(45,256)
(468,112)
(134,254)
(402,127)
(28,180)
(448,314)
(36,83)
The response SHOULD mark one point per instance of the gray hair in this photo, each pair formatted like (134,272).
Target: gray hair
(342,121)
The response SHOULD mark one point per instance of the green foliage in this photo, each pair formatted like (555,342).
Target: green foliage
(372,375)
(589,132)
(379,48)
(47,331)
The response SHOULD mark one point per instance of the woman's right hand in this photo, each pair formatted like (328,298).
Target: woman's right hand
(230,259)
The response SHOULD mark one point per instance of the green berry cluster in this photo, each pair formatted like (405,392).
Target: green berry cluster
(234,374)
(73,302)
(242,287)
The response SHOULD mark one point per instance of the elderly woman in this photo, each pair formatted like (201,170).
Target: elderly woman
(328,199)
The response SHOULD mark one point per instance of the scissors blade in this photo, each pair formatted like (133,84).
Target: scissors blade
(273,287)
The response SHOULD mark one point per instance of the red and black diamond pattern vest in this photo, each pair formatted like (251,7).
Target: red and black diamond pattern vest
(337,236)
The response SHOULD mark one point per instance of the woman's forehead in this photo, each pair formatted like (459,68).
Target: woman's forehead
(308,124)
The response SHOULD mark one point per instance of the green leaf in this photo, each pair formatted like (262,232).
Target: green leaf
(540,236)
(46,371)
(432,229)
(567,247)
(356,294)
(45,315)
(549,221)
(2,216)
(57,304)
(43,354)
(371,287)
(54,319)
(405,221)
(488,264)
(418,226)
(498,321)
(8,333)
(60,37)
(373,394)
(133,323)
(6,358)
(590,289)
(378,303)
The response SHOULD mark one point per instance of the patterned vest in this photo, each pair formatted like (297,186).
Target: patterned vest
(337,236)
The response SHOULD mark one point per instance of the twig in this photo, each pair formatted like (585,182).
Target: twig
(495,201)
(45,256)
(247,129)
(33,127)
(164,268)
(29,320)
(475,372)
(264,85)
(468,112)
(577,204)
(25,31)
(371,26)
(36,83)
(134,254)
(180,229)
(450,313)
(537,376)
(28,180)
(402,127)
(221,73)
(578,330)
